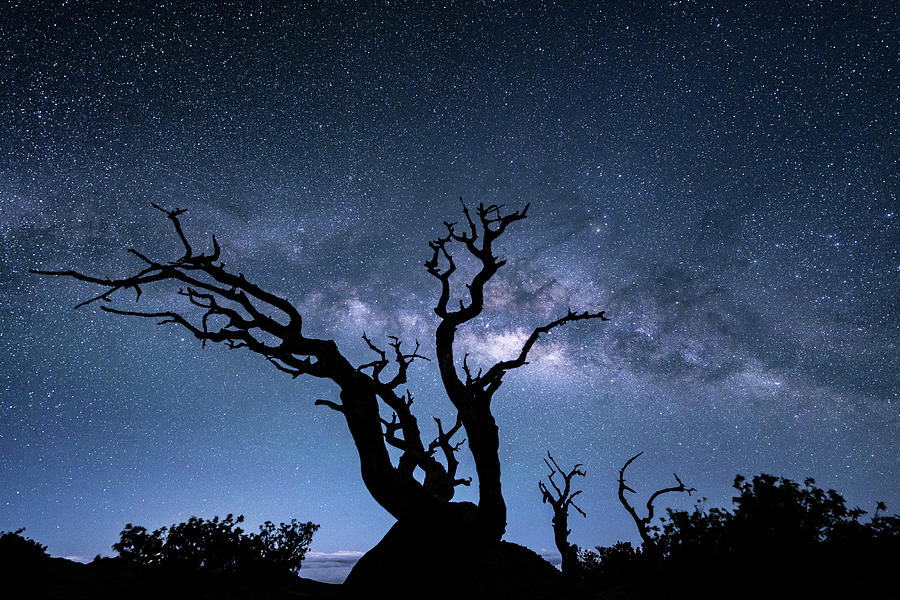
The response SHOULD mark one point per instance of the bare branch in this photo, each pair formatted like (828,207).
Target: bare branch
(564,495)
(443,441)
(491,223)
(439,247)
(403,361)
(643,523)
(376,365)
(491,380)
(144,277)
(173,216)
(678,488)
(292,365)
(330,404)
(403,422)
(390,433)
(478,242)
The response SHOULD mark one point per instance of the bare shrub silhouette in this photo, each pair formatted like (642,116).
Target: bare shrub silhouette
(561,498)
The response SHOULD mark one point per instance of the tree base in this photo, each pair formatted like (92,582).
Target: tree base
(447,561)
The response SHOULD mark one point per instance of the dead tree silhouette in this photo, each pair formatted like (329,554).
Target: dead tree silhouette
(561,499)
(651,550)
(228,308)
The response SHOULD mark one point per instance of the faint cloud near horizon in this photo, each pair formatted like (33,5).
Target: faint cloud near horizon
(79,558)
(329,567)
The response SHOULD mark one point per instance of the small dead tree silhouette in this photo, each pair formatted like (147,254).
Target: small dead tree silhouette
(643,523)
(561,499)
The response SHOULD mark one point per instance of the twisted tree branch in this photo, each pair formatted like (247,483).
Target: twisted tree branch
(227,308)
(492,379)
(643,523)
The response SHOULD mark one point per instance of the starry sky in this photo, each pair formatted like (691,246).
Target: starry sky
(720,177)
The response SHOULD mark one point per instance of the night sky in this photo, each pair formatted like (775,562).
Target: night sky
(721,178)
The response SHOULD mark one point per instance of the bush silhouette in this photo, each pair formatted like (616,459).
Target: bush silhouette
(23,564)
(775,516)
(15,546)
(778,531)
(19,554)
(218,546)
(609,565)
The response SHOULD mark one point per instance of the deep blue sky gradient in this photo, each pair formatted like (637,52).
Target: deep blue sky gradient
(721,178)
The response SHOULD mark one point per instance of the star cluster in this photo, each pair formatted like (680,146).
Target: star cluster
(719,177)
